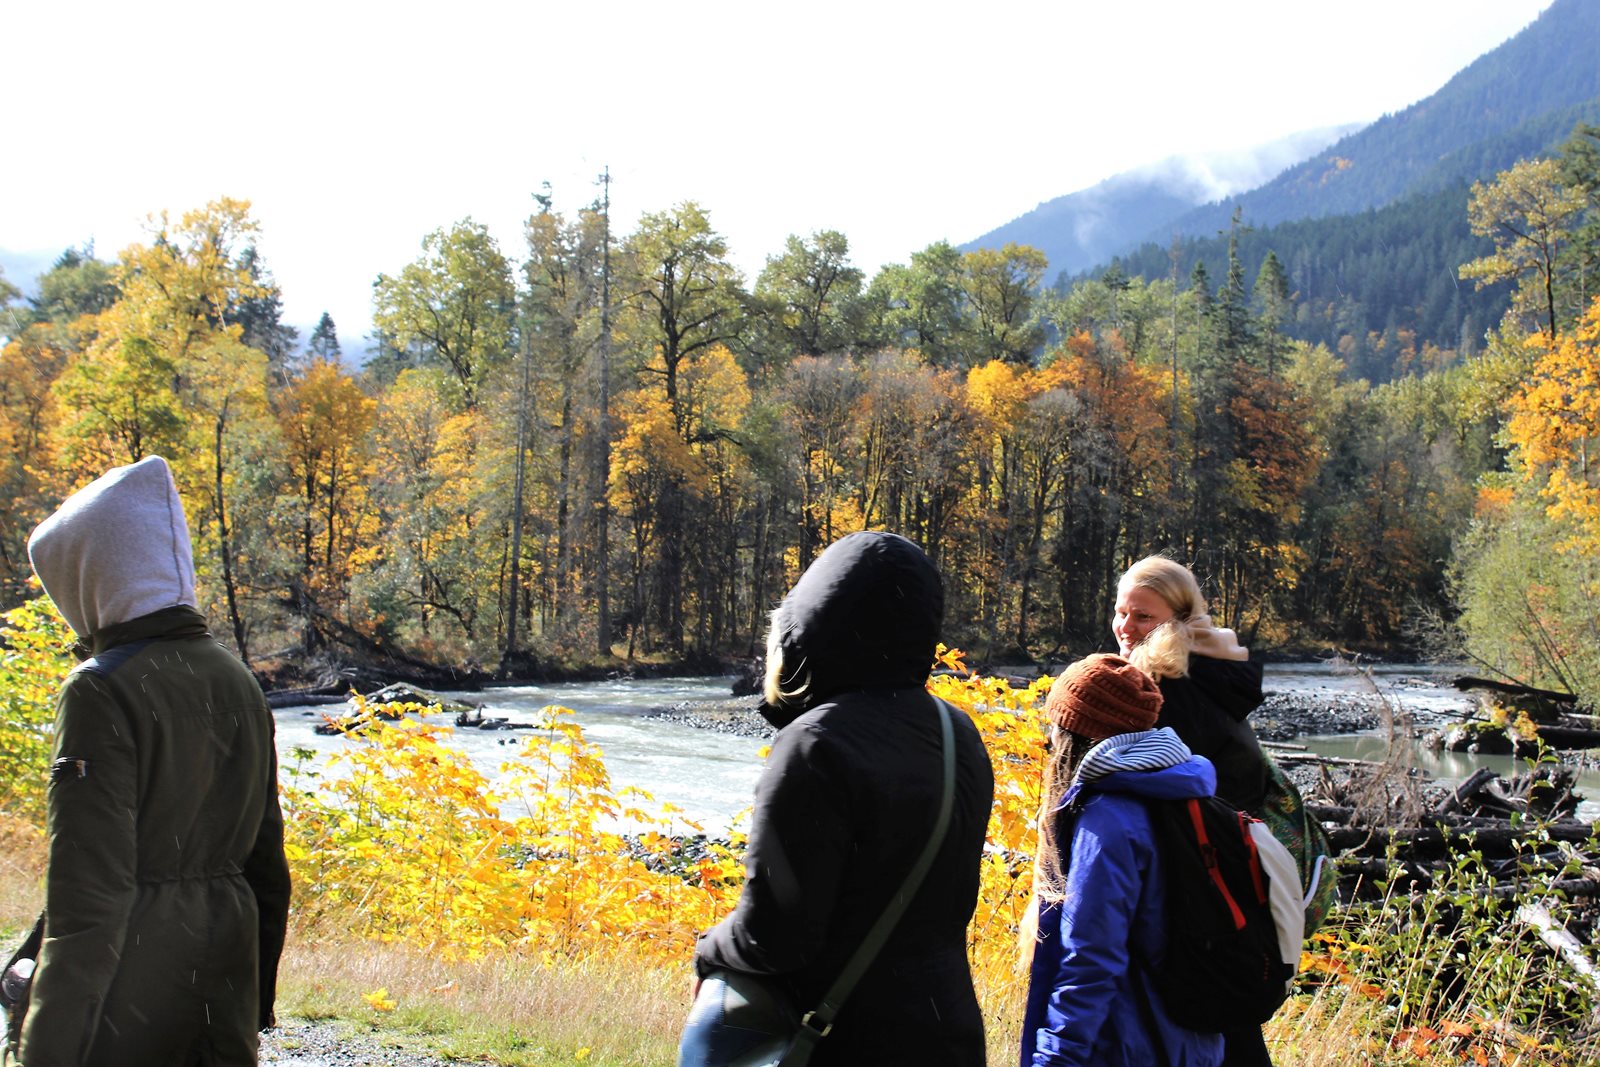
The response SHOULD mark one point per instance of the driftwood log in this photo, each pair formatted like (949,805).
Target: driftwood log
(1338,761)
(1467,683)
(1390,829)
(1412,875)
(297,698)
(1544,705)
(1490,840)
(467,713)
(1553,934)
(1570,737)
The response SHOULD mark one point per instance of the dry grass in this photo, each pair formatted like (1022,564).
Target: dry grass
(520,1011)
(513,1009)
(22,856)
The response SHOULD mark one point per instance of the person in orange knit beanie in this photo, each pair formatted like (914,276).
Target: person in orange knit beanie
(1099,890)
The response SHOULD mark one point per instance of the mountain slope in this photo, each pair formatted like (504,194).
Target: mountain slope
(1086,228)
(1501,107)
(1365,284)
(1389,270)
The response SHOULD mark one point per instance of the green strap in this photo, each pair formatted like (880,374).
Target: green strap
(816,1024)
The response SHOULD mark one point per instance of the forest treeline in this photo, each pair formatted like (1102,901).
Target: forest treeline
(605,444)
(1367,286)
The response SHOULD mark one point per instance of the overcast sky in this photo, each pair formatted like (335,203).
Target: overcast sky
(356,128)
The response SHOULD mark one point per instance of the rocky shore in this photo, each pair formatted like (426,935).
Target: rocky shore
(1286,716)
(324,1043)
(1281,717)
(732,715)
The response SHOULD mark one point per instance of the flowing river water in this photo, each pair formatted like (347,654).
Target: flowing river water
(711,775)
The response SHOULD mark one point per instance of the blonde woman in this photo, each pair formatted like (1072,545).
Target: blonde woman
(1209,686)
(1208,681)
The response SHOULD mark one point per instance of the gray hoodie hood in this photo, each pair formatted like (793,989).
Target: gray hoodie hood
(116,549)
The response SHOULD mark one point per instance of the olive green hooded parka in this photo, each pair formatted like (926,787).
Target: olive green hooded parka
(167,892)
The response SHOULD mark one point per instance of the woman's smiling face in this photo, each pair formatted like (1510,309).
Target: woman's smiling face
(1138,611)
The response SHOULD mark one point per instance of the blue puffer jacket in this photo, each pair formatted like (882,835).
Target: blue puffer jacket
(1090,1001)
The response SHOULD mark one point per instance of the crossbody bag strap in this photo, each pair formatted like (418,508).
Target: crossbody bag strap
(816,1024)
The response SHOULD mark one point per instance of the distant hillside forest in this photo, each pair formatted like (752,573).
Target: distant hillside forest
(612,449)
(1364,285)
(1372,276)
(1372,228)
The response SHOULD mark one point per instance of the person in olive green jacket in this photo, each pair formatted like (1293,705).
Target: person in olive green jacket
(167,892)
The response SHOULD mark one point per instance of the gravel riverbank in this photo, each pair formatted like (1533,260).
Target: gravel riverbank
(732,715)
(1281,717)
(307,1043)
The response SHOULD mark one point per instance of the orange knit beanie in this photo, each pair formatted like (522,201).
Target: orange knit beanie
(1101,696)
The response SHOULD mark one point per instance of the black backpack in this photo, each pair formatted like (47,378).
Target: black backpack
(1223,968)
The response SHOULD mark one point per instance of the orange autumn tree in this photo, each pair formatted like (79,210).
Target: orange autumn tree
(326,422)
(907,445)
(165,370)
(437,565)
(224,470)
(1117,487)
(681,447)
(998,393)
(819,396)
(713,400)
(29,477)
(1265,483)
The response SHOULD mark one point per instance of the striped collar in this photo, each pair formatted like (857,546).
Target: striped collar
(1144,750)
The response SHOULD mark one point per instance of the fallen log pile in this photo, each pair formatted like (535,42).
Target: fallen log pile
(1394,829)
(1490,876)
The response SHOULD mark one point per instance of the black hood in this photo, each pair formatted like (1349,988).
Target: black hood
(864,615)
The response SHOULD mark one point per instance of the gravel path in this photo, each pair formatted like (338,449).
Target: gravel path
(303,1043)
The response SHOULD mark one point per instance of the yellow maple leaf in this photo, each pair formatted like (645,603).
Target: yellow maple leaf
(379,1000)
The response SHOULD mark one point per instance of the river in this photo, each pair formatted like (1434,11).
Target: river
(712,775)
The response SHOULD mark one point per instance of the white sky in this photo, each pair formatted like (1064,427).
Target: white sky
(355,128)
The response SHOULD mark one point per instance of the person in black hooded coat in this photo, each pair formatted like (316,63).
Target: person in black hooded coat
(846,803)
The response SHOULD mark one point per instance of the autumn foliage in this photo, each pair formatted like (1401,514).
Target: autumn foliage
(404,839)
(1555,426)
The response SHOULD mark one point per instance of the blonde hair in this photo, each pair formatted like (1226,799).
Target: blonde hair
(772,683)
(1049,874)
(1049,880)
(1164,653)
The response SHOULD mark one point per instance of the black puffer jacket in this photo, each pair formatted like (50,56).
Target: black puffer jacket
(1208,709)
(845,805)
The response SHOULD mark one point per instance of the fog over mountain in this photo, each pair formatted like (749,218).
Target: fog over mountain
(1086,228)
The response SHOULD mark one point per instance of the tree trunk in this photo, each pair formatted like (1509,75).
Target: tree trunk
(224,548)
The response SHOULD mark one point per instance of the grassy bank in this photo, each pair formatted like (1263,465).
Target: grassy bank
(510,1010)
(1381,994)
